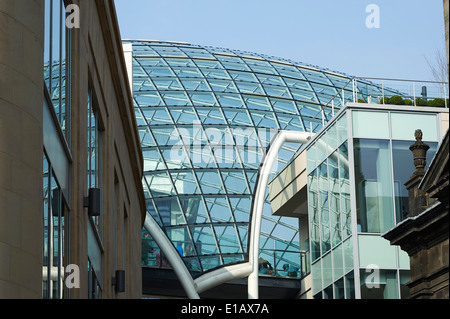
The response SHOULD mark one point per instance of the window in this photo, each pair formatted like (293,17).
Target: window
(54,257)
(94,286)
(57,62)
(94,144)
(375,211)
(403,165)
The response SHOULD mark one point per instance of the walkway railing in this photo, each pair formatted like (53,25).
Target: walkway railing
(384,91)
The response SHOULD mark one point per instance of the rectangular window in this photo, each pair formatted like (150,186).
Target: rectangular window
(403,165)
(368,124)
(404,126)
(54,235)
(314,218)
(373,179)
(57,62)
(94,143)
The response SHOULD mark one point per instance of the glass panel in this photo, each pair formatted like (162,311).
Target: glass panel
(159,184)
(175,98)
(370,124)
(264,119)
(203,99)
(313,211)
(205,241)
(316,273)
(327,270)
(342,129)
(210,182)
(185,115)
(335,214)
(219,209)
(56,61)
(349,286)
(235,182)
(167,84)
(375,250)
(403,169)
(339,291)
(404,126)
(170,212)
(175,157)
(92,142)
(148,99)
(338,262)
(211,262)
(344,179)
(230,100)
(185,182)
(282,105)
(373,186)
(238,117)
(348,255)
(46,229)
(324,209)
(384,287)
(257,102)
(241,208)
(223,86)
(210,116)
(228,239)
(292,123)
(194,209)
(332,137)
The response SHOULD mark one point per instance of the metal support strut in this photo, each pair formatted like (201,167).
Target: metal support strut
(265,171)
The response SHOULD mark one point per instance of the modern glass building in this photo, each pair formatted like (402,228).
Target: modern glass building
(357,168)
(206,117)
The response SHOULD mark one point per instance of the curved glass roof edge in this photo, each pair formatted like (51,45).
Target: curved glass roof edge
(241,53)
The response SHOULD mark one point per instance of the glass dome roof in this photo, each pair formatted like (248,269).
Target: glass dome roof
(206,117)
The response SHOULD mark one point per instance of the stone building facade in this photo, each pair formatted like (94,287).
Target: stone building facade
(71,198)
(424,235)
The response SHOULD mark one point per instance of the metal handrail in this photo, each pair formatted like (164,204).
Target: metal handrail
(355,93)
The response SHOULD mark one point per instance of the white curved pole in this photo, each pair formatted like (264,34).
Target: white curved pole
(172,256)
(222,275)
(265,171)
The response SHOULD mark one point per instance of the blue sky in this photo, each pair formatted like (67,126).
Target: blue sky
(327,33)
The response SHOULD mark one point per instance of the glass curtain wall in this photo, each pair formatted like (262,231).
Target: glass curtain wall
(56,93)
(329,212)
(350,259)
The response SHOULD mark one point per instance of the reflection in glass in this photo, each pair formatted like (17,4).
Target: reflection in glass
(403,165)
(384,287)
(56,61)
(375,211)
(344,179)
(53,235)
(313,210)
(324,208)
